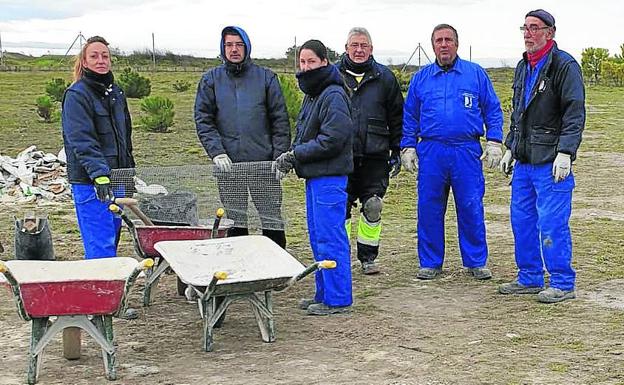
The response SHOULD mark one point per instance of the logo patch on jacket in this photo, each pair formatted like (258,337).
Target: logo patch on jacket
(468,99)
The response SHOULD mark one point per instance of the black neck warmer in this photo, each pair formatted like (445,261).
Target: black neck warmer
(101,83)
(313,82)
(236,68)
(358,68)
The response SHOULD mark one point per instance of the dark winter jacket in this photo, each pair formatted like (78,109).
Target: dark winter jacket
(323,145)
(554,118)
(96,131)
(240,110)
(377,110)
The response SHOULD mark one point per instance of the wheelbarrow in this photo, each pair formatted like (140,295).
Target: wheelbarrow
(84,294)
(148,233)
(248,268)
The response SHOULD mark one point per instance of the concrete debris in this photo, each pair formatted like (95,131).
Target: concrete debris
(33,175)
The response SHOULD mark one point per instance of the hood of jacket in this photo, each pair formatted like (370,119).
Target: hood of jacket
(236,68)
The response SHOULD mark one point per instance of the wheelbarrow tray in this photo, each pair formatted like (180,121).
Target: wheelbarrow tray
(60,288)
(146,237)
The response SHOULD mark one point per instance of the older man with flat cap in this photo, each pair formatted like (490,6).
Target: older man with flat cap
(546,127)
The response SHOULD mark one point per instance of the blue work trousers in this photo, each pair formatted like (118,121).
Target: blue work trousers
(99,228)
(326,201)
(540,214)
(441,167)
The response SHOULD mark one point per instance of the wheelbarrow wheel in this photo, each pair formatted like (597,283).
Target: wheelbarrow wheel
(181,287)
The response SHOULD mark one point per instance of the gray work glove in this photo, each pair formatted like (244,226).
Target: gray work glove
(285,162)
(222,163)
(506,163)
(561,166)
(409,159)
(492,154)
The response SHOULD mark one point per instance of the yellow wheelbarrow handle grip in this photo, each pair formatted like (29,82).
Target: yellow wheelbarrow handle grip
(147,263)
(220,275)
(327,264)
(3,267)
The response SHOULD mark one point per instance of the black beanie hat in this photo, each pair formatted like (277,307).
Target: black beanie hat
(544,16)
(315,46)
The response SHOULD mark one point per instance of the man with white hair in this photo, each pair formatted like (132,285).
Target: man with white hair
(377,113)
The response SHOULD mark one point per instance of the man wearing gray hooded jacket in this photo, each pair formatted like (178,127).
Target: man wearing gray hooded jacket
(241,116)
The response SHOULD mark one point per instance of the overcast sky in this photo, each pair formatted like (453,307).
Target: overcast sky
(396,26)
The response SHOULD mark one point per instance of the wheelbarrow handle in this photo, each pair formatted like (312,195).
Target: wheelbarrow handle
(141,266)
(117,210)
(320,265)
(217,222)
(133,204)
(15,288)
(218,276)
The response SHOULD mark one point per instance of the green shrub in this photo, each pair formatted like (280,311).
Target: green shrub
(133,84)
(181,85)
(159,113)
(403,78)
(45,108)
(293,97)
(55,88)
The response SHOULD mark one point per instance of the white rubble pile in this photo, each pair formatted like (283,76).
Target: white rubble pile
(33,174)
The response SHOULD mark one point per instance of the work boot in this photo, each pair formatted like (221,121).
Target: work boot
(516,287)
(428,273)
(322,309)
(305,303)
(370,268)
(552,295)
(480,272)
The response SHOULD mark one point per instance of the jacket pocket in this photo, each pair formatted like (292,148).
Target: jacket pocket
(543,144)
(377,137)
(541,135)
(105,131)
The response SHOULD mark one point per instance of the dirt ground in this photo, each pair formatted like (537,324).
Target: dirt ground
(454,330)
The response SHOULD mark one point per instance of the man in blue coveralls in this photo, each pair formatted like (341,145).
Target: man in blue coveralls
(448,103)
(546,127)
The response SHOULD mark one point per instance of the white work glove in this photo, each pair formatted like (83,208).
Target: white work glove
(492,154)
(222,163)
(409,159)
(561,166)
(506,164)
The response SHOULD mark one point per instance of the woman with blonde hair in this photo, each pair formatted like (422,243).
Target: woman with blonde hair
(97,135)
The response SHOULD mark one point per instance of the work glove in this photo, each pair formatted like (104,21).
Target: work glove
(506,164)
(492,154)
(285,162)
(409,159)
(103,190)
(395,163)
(561,166)
(222,163)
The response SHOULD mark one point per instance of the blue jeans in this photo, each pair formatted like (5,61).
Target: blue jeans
(99,228)
(442,167)
(326,201)
(540,214)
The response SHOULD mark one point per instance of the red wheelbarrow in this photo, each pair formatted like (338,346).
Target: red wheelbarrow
(146,235)
(84,294)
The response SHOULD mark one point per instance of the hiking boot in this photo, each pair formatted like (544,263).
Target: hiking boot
(370,268)
(480,272)
(322,309)
(552,295)
(516,287)
(305,303)
(428,273)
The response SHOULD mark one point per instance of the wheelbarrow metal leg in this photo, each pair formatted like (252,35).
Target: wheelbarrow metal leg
(104,326)
(152,281)
(208,311)
(39,326)
(268,297)
(264,316)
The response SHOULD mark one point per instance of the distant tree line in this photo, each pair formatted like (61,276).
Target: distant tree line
(600,68)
